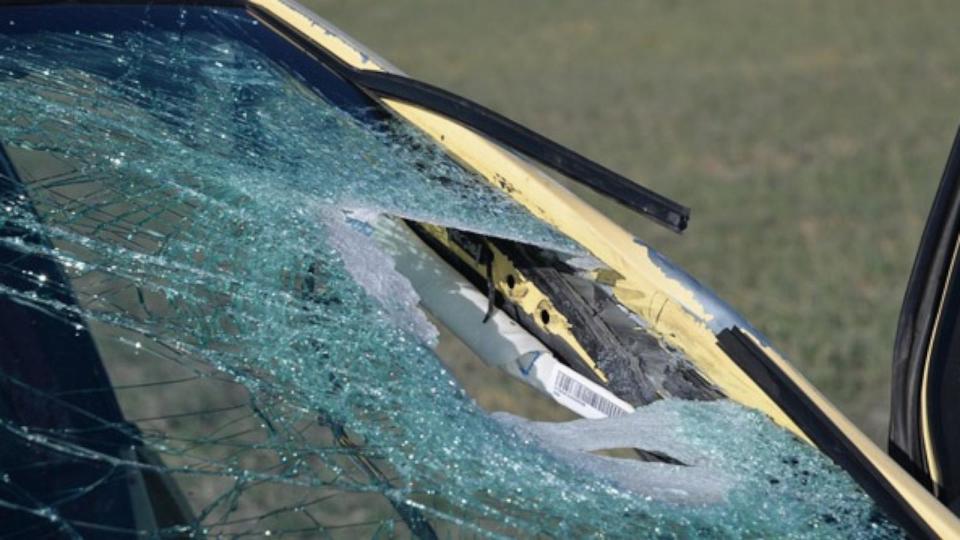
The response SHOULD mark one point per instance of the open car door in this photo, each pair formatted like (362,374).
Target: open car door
(924,420)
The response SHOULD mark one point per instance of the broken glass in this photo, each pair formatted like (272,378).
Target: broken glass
(182,204)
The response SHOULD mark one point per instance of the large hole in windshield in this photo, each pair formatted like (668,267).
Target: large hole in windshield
(188,201)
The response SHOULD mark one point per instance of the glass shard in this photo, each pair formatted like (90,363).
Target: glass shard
(185,183)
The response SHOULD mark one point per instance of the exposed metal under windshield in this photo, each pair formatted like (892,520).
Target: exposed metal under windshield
(187,200)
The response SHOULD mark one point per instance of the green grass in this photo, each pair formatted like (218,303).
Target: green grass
(808,139)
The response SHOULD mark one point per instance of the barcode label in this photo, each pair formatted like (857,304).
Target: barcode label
(572,388)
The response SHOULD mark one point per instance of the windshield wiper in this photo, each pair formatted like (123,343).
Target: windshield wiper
(526,141)
(583,170)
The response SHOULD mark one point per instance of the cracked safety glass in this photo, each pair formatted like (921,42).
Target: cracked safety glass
(200,336)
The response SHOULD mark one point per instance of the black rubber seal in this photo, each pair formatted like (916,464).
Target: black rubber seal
(668,213)
(829,438)
(921,302)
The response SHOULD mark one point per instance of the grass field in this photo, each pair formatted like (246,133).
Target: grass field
(808,139)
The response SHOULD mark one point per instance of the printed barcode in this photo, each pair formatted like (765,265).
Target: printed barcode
(573,388)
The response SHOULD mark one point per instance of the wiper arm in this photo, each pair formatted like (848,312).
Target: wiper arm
(585,171)
(526,141)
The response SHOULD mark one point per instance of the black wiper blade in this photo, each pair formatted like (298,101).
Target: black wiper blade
(528,142)
(661,209)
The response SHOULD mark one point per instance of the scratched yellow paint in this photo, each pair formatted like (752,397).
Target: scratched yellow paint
(328,38)
(669,306)
(527,296)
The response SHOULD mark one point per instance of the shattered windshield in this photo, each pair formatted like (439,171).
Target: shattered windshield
(187,197)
